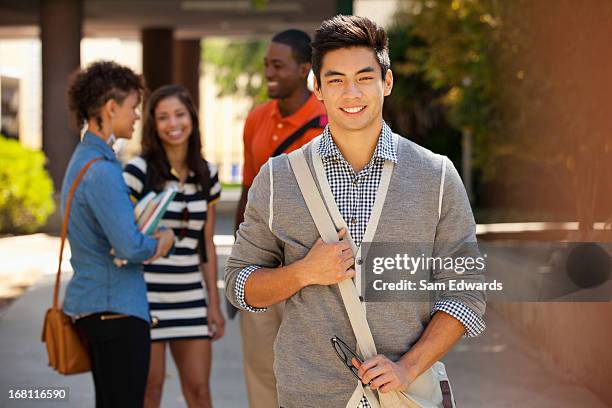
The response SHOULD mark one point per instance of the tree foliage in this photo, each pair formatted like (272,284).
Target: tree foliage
(525,87)
(238,66)
(453,49)
(415,109)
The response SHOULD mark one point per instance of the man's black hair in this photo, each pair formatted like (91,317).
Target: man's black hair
(349,31)
(299,42)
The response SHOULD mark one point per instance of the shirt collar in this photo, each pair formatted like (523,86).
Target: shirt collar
(385,147)
(100,145)
(297,117)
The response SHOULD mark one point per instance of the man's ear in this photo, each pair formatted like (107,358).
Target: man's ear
(305,69)
(316,89)
(388,83)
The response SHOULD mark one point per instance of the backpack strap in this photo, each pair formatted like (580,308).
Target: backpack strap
(314,123)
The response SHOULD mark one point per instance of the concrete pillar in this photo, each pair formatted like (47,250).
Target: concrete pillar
(60,34)
(158,56)
(187,66)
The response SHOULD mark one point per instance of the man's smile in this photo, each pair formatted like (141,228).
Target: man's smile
(353,109)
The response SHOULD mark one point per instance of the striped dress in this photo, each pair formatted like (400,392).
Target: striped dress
(175,284)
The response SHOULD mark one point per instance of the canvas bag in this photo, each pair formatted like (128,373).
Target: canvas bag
(66,349)
(432,388)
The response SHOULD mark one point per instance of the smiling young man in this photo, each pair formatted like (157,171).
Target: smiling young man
(291,119)
(278,255)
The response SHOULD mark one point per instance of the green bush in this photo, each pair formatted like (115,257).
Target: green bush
(26,191)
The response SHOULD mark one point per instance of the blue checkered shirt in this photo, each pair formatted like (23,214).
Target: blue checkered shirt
(355,193)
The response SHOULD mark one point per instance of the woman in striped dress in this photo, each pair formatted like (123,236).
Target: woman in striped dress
(185,318)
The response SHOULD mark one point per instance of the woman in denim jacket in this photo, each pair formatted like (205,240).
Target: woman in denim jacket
(109,302)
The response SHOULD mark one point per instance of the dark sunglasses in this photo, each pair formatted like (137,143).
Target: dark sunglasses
(185,223)
(345,354)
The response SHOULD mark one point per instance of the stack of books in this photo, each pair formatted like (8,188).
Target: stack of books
(151,209)
(148,212)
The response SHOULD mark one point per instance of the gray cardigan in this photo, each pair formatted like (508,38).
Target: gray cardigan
(278,230)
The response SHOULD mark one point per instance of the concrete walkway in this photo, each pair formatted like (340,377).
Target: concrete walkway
(498,369)
(24,360)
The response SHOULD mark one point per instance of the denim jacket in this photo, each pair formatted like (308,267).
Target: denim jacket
(101,218)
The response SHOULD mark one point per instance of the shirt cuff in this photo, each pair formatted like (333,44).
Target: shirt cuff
(474,324)
(243,275)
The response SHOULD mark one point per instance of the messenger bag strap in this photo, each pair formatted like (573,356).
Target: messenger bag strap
(328,233)
(348,291)
(64,234)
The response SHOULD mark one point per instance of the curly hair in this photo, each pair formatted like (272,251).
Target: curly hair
(349,31)
(100,82)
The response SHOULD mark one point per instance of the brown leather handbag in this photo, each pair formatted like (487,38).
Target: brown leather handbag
(67,349)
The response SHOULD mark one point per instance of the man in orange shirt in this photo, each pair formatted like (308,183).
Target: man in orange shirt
(291,119)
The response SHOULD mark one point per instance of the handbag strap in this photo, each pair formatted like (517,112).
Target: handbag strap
(73,188)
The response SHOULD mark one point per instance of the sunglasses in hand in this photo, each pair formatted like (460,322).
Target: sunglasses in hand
(345,354)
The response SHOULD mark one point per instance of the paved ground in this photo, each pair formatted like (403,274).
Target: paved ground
(498,369)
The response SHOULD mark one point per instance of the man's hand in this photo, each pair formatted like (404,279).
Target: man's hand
(384,375)
(165,241)
(323,265)
(327,264)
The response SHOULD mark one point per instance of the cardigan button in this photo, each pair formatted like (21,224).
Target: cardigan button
(359,261)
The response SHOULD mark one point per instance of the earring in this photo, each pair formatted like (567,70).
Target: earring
(112,138)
